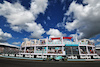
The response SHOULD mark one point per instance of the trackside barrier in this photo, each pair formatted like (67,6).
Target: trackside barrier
(72,57)
(44,56)
(32,56)
(96,57)
(3,54)
(69,57)
(88,57)
(12,55)
(19,55)
(85,57)
(27,55)
(6,54)
(41,56)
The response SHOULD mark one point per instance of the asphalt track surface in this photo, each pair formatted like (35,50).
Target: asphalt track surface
(4,62)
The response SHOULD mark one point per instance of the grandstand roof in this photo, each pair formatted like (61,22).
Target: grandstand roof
(6,44)
(98,46)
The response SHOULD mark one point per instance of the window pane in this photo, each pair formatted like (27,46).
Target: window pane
(55,50)
(83,50)
(68,50)
(91,51)
(75,50)
(30,49)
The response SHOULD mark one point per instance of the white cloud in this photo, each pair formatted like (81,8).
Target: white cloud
(98,40)
(16,14)
(55,33)
(98,45)
(16,28)
(95,40)
(20,18)
(16,43)
(4,36)
(78,35)
(60,25)
(37,31)
(38,6)
(48,18)
(87,18)
(25,39)
(92,2)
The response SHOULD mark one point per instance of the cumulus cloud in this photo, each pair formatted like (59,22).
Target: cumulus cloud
(95,41)
(20,18)
(4,36)
(87,18)
(16,43)
(25,39)
(98,40)
(78,35)
(15,13)
(61,25)
(98,45)
(55,33)
(38,6)
(37,30)
(16,28)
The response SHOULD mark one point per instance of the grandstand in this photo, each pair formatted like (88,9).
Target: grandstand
(98,49)
(6,48)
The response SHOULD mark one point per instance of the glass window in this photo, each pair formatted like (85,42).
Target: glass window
(55,50)
(75,50)
(68,50)
(38,48)
(42,42)
(71,50)
(83,50)
(91,51)
(30,49)
(41,49)
(23,48)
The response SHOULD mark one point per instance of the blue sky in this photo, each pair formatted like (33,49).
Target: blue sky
(34,19)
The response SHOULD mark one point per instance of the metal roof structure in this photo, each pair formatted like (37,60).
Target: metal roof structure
(9,45)
(98,46)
